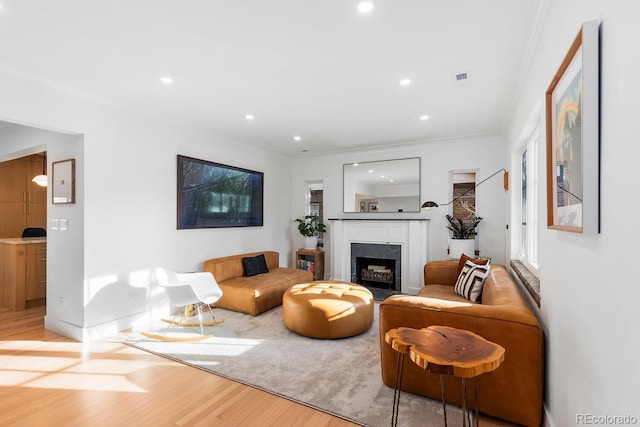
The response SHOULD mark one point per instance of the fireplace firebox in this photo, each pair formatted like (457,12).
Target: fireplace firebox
(376,265)
(376,272)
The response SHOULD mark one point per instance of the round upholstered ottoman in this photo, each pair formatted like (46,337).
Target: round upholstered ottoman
(328,309)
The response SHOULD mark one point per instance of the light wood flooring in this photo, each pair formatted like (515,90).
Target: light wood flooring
(49,380)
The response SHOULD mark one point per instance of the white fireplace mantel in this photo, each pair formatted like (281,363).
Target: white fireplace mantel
(410,234)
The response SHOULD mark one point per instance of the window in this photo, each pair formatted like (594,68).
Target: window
(463,208)
(529,203)
(464,196)
(314,197)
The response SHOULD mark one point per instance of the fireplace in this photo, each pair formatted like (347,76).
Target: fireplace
(376,265)
(409,235)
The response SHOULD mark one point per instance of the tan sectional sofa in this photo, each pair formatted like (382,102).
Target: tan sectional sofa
(514,391)
(254,294)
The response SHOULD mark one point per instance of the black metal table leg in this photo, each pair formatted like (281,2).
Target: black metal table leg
(465,411)
(396,390)
(444,404)
(475,386)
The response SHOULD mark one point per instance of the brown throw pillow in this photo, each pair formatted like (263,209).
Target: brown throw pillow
(464,258)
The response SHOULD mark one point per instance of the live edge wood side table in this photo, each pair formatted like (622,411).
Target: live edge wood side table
(445,351)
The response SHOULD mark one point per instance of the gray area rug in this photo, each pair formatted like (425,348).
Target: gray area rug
(341,377)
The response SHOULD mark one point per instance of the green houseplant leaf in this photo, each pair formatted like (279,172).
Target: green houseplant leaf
(310,225)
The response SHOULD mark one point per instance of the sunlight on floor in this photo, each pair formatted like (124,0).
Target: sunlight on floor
(29,364)
(84,381)
(216,346)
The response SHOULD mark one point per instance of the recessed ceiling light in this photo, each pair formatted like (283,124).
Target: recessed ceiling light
(355,164)
(297,138)
(405,82)
(166,80)
(424,117)
(249,117)
(365,6)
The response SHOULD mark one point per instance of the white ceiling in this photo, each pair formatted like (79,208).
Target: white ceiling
(314,68)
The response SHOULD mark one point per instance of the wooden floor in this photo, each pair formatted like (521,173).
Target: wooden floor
(49,380)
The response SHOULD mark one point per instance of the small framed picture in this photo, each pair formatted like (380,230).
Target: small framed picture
(63,190)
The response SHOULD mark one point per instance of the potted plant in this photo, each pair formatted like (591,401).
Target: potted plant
(309,227)
(463,234)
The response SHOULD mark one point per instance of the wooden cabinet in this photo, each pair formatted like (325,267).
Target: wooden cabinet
(13,184)
(36,268)
(311,260)
(36,210)
(23,273)
(23,203)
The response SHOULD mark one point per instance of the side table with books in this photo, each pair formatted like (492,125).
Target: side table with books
(311,260)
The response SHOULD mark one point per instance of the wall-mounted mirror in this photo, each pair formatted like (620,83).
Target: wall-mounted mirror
(382,186)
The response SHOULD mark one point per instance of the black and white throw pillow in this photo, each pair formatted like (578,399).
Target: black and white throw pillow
(471,281)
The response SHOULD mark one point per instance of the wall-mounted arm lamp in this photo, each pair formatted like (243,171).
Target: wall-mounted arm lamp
(430,204)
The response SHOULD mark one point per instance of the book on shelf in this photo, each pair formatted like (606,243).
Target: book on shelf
(303,264)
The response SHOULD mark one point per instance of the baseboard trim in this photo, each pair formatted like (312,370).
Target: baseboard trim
(85,334)
(546,419)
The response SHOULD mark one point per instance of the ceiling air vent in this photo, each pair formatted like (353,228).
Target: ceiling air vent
(462,78)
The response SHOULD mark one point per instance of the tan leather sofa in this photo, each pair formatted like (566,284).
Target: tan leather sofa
(514,391)
(254,294)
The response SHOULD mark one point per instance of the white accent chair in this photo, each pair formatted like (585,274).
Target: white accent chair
(198,289)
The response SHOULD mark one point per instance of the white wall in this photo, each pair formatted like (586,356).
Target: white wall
(127,204)
(484,154)
(589,296)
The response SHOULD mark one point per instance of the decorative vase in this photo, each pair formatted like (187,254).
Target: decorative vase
(457,247)
(310,242)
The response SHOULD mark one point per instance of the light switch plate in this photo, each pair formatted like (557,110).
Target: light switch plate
(55,224)
(64,224)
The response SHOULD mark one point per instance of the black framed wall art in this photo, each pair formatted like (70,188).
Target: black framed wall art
(216,195)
